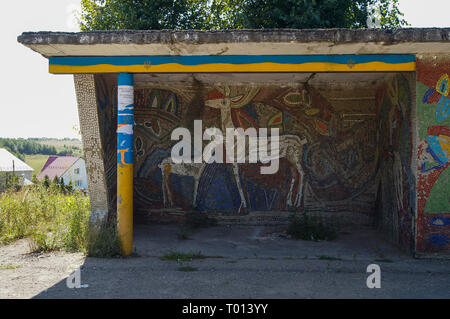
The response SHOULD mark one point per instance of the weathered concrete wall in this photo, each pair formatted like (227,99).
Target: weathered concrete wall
(396,196)
(92,144)
(433,185)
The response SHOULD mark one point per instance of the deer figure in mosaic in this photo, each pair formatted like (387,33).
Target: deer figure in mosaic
(168,167)
(290,146)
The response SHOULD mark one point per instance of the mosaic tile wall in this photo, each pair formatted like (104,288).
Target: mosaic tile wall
(334,149)
(395,179)
(433,175)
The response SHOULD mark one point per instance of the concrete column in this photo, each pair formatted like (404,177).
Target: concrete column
(125,123)
(92,145)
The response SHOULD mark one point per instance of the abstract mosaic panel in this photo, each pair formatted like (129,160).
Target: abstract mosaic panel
(433,185)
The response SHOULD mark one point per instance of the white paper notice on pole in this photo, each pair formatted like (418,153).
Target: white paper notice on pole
(125,129)
(125,97)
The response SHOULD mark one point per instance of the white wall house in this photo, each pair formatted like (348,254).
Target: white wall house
(77,175)
(69,168)
(11,164)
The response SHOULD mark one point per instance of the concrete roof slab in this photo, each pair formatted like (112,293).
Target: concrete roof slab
(238,42)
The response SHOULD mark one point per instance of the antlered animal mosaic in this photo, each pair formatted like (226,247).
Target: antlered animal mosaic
(317,154)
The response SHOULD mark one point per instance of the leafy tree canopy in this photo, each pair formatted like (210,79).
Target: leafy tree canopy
(237,14)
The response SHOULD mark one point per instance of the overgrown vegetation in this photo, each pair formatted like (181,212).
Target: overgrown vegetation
(306,227)
(52,218)
(238,14)
(102,240)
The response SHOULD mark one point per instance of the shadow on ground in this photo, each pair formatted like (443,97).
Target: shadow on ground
(256,262)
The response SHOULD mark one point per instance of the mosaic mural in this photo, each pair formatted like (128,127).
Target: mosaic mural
(395,176)
(333,158)
(433,189)
(326,163)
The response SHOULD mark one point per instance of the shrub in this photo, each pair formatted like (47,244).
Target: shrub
(102,240)
(313,228)
(51,219)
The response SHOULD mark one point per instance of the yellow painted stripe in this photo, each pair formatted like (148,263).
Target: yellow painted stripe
(125,207)
(225,67)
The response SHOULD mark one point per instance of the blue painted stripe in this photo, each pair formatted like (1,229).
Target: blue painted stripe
(232,59)
(125,79)
(125,119)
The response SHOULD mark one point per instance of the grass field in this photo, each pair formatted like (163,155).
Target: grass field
(62,145)
(36,162)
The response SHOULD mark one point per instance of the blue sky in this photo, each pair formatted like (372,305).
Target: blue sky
(35,103)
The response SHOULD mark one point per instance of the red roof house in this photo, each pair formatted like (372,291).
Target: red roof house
(57,166)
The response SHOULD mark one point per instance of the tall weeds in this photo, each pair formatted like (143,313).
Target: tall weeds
(52,217)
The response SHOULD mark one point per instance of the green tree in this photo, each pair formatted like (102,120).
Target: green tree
(62,186)
(142,15)
(46,181)
(35,180)
(13,181)
(237,14)
(55,181)
(69,187)
(320,14)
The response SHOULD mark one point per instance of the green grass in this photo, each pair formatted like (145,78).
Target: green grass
(60,143)
(102,241)
(64,145)
(9,266)
(323,257)
(187,268)
(36,162)
(52,219)
(177,256)
(384,260)
(55,219)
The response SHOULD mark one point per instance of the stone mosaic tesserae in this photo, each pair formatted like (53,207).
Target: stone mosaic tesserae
(362,116)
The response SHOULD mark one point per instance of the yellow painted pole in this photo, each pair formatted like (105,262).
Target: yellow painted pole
(125,122)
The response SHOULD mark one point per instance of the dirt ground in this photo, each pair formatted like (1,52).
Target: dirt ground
(242,262)
(24,274)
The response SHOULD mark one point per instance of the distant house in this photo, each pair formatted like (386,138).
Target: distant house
(10,164)
(69,168)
